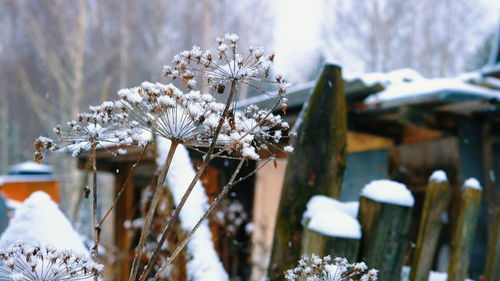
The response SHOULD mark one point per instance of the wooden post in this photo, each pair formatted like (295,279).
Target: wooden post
(435,203)
(385,230)
(492,269)
(463,234)
(316,167)
(333,241)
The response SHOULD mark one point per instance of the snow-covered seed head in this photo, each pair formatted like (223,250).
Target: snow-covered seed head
(24,262)
(104,123)
(325,269)
(227,66)
(168,112)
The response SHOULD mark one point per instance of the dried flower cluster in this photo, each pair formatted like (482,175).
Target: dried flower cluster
(105,123)
(226,67)
(314,268)
(21,262)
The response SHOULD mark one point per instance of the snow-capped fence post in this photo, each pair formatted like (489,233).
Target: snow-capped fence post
(492,270)
(463,233)
(316,167)
(385,216)
(435,203)
(329,237)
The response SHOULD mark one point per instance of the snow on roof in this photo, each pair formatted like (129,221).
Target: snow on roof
(38,220)
(26,178)
(332,217)
(205,264)
(438,176)
(429,87)
(13,204)
(472,183)
(30,167)
(397,76)
(387,191)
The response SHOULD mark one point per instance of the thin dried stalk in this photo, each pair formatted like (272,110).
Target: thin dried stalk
(204,164)
(97,232)
(216,201)
(151,211)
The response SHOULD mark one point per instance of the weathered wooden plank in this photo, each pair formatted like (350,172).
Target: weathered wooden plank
(316,167)
(492,269)
(322,245)
(385,230)
(435,203)
(463,234)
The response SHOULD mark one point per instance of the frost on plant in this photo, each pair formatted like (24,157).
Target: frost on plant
(314,268)
(105,123)
(21,262)
(225,67)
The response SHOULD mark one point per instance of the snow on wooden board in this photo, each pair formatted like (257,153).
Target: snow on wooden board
(204,264)
(438,176)
(387,191)
(332,217)
(319,203)
(335,224)
(472,183)
(38,220)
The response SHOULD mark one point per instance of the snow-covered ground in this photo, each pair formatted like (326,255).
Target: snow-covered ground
(38,220)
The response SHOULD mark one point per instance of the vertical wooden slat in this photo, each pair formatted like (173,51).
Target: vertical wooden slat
(322,245)
(316,167)
(435,203)
(385,230)
(124,211)
(492,270)
(463,234)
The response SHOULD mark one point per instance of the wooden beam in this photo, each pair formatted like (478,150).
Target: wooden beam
(435,204)
(359,142)
(385,230)
(463,233)
(316,167)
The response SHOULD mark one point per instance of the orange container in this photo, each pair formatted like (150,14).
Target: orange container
(20,187)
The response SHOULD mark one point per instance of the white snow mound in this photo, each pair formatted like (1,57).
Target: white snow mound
(38,220)
(439,176)
(387,191)
(472,183)
(336,224)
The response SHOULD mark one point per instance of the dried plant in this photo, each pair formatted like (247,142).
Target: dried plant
(21,262)
(192,119)
(314,268)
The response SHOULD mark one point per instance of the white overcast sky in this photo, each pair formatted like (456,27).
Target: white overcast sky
(297,30)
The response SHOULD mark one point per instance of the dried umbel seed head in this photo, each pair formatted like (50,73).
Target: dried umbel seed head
(105,123)
(168,112)
(24,262)
(314,268)
(228,66)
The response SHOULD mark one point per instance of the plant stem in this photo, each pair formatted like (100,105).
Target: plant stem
(151,210)
(203,166)
(97,232)
(216,202)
